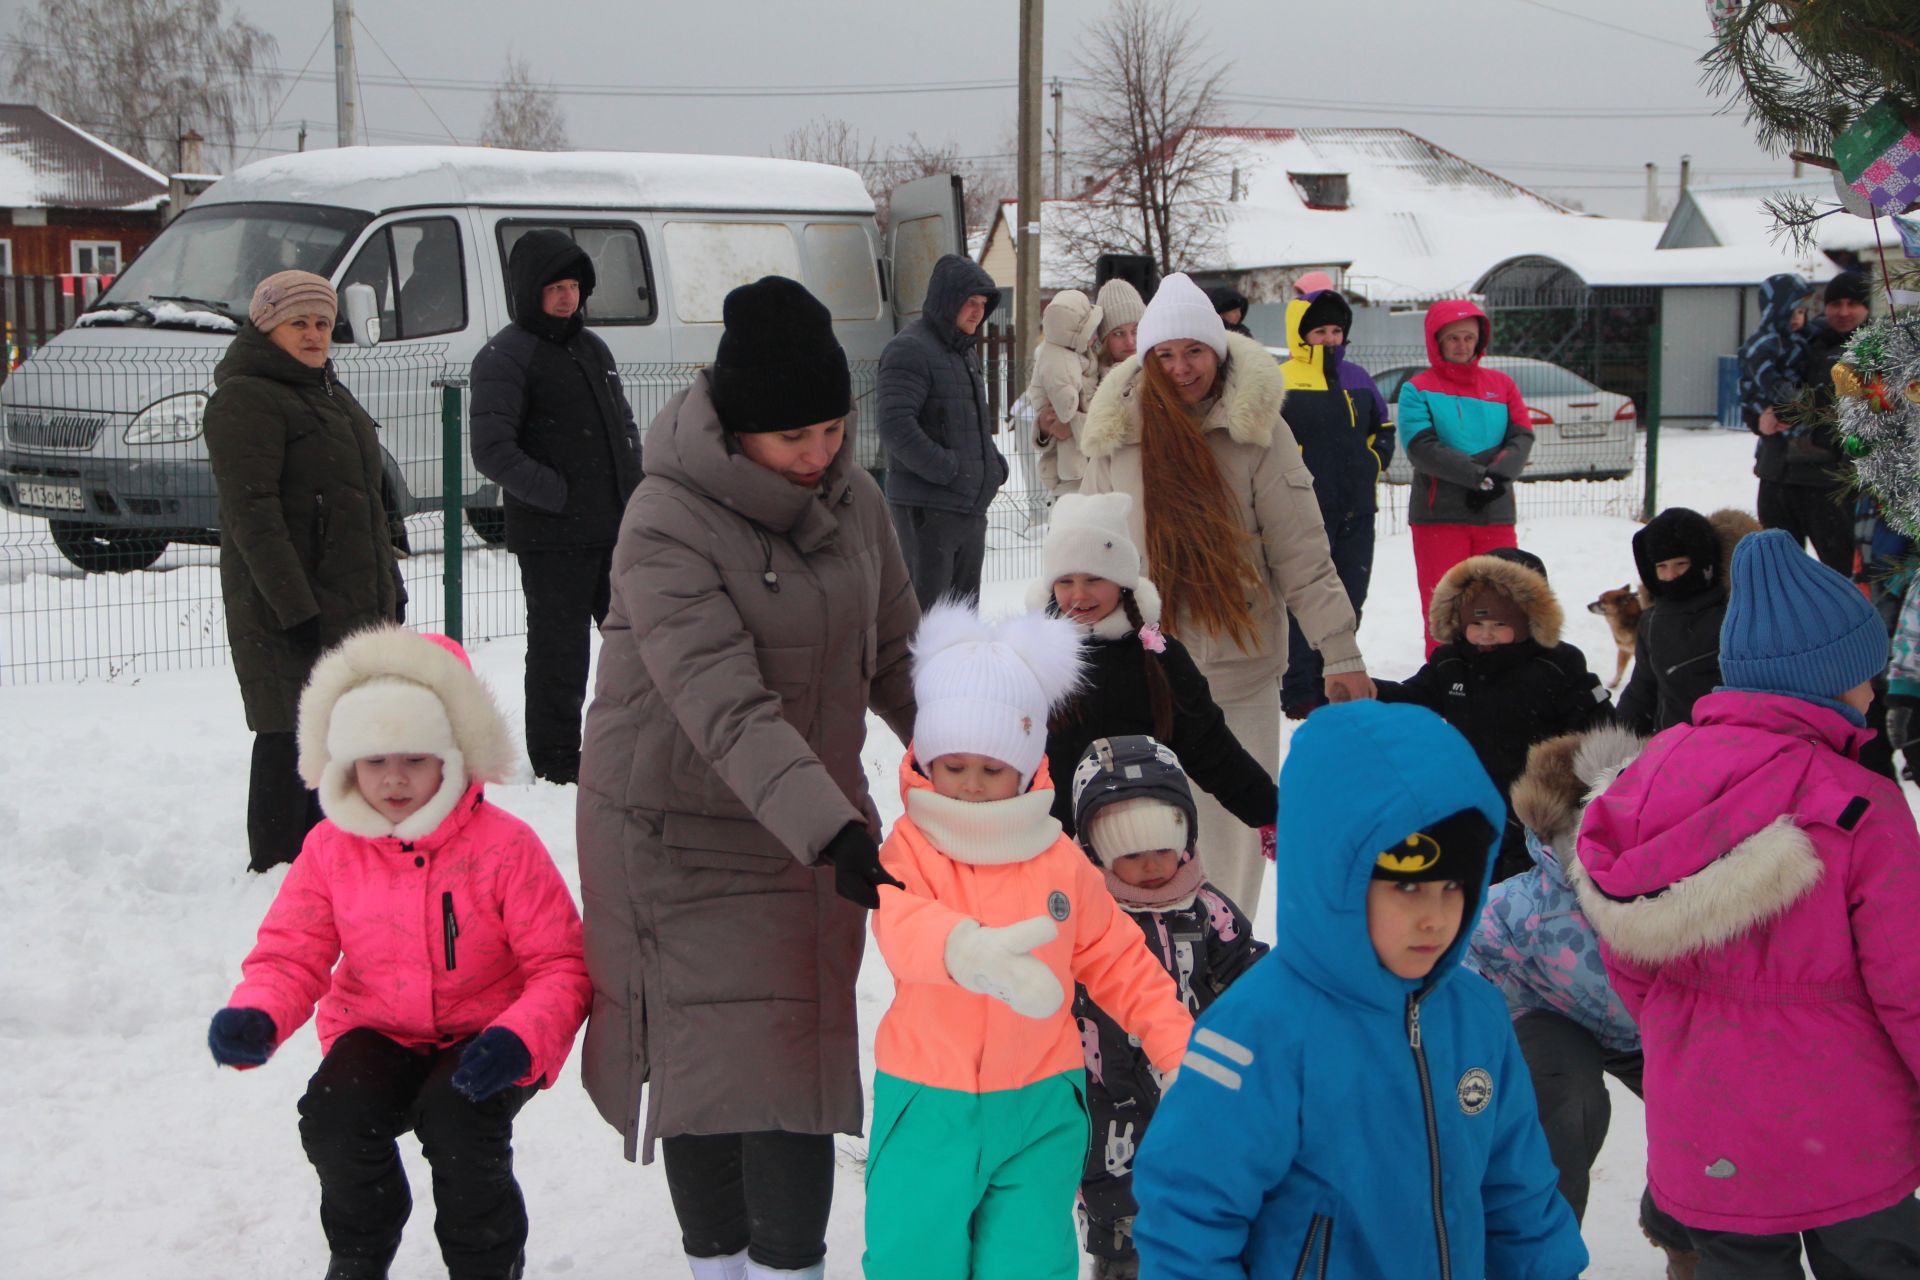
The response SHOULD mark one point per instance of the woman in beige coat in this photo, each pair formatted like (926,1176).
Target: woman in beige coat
(760,608)
(1224,509)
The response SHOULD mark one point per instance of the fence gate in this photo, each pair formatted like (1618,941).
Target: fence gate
(1542,309)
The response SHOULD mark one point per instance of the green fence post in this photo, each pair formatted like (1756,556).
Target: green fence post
(1651,503)
(452,492)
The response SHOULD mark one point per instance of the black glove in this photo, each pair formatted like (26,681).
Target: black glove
(494,1060)
(1489,493)
(240,1037)
(857,873)
(1900,727)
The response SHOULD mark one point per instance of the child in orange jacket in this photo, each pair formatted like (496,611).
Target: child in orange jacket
(980,1123)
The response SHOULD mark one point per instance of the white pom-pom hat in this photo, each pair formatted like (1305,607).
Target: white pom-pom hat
(1088,533)
(391,691)
(986,688)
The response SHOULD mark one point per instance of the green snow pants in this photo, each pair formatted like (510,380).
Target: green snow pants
(975,1186)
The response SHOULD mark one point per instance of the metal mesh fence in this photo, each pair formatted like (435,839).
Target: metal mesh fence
(109,566)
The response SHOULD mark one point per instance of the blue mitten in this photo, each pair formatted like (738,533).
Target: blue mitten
(494,1060)
(240,1037)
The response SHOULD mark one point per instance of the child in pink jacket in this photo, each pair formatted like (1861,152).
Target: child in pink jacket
(979,1098)
(1755,891)
(440,944)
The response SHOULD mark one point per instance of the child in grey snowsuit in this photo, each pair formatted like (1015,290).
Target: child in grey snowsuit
(1134,815)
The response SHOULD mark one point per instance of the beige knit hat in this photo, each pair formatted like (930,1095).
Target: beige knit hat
(1119,304)
(286,294)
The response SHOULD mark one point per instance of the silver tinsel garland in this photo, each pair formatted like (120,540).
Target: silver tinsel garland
(1878,386)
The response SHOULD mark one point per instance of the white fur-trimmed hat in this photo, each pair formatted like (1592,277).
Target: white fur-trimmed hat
(985,689)
(391,691)
(1181,310)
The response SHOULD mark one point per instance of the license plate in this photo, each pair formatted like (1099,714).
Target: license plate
(1582,430)
(57,497)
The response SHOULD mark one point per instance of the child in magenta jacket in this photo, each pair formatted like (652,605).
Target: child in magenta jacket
(1754,888)
(440,944)
(1468,435)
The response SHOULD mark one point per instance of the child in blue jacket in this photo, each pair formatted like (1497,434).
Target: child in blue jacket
(1355,1106)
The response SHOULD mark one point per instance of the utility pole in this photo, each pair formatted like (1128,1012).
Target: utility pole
(1059,136)
(301,143)
(1026,289)
(346,77)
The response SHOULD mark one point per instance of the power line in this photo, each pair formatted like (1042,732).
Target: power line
(1475,113)
(1611,26)
(313,53)
(403,75)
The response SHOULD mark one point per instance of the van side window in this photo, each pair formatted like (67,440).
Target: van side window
(622,273)
(708,260)
(841,269)
(417,275)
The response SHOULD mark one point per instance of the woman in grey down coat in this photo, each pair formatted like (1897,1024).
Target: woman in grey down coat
(760,608)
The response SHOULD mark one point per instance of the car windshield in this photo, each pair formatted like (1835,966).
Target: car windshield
(1537,378)
(213,256)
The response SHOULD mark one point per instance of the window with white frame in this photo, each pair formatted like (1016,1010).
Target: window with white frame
(96,257)
(6,257)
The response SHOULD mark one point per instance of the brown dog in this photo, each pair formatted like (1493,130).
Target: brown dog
(1621,608)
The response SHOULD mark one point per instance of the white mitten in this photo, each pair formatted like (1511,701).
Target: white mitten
(997,962)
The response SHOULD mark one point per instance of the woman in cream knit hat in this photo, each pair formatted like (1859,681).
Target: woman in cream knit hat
(1225,514)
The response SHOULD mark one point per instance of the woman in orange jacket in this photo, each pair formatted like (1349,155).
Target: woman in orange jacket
(980,1127)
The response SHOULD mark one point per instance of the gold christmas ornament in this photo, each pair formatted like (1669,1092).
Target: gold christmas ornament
(1846,381)
(1912,391)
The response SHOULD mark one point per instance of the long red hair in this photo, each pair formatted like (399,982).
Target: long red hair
(1202,556)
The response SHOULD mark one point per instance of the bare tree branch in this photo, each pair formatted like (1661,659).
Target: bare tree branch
(139,73)
(523,113)
(1151,97)
(829,140)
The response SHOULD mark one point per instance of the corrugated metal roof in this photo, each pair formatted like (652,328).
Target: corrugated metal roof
(47,163)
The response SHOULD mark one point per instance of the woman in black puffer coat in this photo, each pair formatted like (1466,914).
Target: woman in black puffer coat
(306,549)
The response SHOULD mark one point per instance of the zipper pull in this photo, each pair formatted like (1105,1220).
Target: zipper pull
(1413,1021)
(449,927)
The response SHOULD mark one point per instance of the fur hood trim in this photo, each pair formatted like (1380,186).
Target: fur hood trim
(1563,775)
(1730,524)
(1252,390)
(1753,882)
(399,680)
(1146,597)
(1515,581)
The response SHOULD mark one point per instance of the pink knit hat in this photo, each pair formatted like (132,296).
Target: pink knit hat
(286,294)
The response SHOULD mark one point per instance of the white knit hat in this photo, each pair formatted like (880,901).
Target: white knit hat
(1180,310)
(1087,533)
(1119,304)
(985,689)
(1127,827)
(391,691)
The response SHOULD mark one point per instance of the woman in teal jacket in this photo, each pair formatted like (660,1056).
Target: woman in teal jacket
(1330,1118)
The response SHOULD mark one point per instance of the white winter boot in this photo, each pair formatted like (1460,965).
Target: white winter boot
(818,1271)
(731,1267)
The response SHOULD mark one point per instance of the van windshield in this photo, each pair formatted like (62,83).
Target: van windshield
(210,258)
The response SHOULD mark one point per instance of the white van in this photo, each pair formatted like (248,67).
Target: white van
(102,425)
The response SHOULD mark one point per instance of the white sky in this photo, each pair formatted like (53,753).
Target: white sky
(1483,78)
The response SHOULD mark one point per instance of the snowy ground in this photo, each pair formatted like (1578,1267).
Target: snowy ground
(127,912)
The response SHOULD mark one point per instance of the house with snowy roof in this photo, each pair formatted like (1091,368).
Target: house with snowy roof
(70,203)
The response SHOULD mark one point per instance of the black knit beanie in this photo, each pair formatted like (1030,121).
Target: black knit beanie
(1454,848)
(779,367)
(1851,286)
(1326,307)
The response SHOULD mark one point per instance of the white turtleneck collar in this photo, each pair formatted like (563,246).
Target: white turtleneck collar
(986,833)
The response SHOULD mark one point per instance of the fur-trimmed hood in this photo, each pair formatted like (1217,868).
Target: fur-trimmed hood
(1252,390)
(1518,583)
(1564,773)
(405,692)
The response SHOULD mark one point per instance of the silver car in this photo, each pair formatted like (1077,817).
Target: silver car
(1580,432)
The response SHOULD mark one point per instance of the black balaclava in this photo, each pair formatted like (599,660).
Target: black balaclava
(1678,531)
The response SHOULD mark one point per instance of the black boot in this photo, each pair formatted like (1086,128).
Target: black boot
(356,1269)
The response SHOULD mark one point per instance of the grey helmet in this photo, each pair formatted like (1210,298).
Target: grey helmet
(1130,767)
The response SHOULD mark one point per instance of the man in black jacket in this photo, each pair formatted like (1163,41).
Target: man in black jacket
(942,466)
(1802,486)
(553,428)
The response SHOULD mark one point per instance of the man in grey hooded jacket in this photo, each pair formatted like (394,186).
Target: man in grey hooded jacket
(942,466)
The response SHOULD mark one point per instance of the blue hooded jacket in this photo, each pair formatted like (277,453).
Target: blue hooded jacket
(1330,1118)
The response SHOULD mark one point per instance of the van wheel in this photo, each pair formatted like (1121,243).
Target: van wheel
(490,523)
(99,548)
